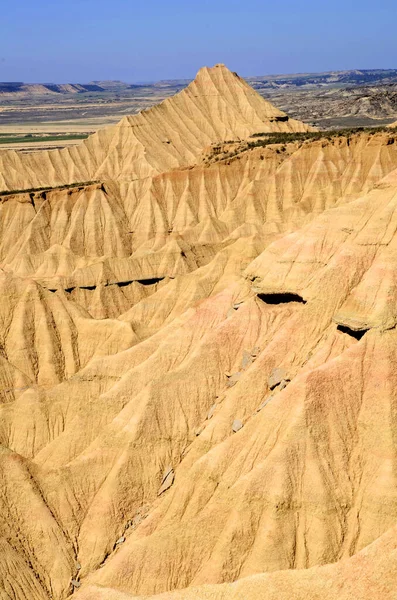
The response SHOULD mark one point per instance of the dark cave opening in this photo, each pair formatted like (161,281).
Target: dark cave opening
(284,298)
(357,334)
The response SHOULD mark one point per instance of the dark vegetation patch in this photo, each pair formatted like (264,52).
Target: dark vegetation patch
(49,189)
(7,87)
(281,298)
(264,139)
(285,138)
(6,138)
(280,119)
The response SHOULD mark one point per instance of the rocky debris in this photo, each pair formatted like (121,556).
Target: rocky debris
(276,377)
(75,583)
(283,384)
(167,471)
(237,425)
(140,516)
(199,430)
(120,541)
(168,480)
(233,379)
(78,566)
(233,309)
(237,305)
(185,451)
(263,404)
(211,411)
(248,359)
(255,351)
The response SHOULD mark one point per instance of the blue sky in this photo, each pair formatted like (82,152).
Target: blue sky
(85,40)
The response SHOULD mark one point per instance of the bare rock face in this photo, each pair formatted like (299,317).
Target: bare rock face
(167,481)
(277,377)
(233,379)
(145,312)
(237,425)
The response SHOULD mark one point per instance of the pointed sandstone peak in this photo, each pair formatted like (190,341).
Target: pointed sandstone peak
(217,106)
(250,108)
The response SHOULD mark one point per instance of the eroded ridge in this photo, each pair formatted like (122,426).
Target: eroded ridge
(197,361)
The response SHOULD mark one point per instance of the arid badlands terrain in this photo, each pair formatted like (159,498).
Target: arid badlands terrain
(42,116)
(199,358)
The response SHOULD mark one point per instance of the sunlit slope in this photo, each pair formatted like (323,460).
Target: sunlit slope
(371,574)
(198,365)
(109,244)
(218,105)
(305,480)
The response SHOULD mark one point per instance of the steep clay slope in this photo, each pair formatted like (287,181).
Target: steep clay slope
(309,478)
(367,575)
(197,362)
(103,243)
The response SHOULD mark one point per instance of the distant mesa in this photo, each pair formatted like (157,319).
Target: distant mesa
(48,88)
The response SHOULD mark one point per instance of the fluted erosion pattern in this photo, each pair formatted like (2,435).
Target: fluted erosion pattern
(217,106)
(198,369)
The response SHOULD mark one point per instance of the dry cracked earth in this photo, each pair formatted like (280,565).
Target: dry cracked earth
(198,369)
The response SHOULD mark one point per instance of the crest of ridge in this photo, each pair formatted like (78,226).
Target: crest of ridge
(217,106)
